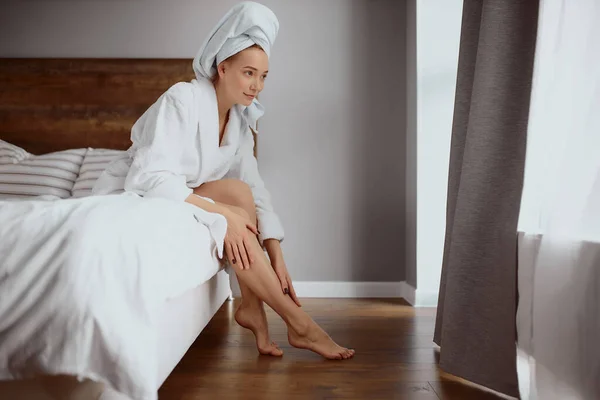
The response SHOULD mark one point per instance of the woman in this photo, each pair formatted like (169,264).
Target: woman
(195,145)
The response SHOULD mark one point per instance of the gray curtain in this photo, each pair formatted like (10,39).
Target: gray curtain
(475,326)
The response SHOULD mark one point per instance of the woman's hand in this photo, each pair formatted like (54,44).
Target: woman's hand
(237,243)
(285,280)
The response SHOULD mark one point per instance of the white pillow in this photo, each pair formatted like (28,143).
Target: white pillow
(25,175)
(94,163)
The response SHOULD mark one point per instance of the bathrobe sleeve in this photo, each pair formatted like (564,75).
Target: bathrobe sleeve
(269,224)
(158,168)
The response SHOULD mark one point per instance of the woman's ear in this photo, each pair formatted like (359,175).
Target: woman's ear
(221,69)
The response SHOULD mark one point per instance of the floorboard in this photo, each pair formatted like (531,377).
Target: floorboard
(395,358)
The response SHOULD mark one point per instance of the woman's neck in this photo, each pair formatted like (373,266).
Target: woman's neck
(223,105)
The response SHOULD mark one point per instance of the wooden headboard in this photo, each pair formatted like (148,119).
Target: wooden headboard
(55,104)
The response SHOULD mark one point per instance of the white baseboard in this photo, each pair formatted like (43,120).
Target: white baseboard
(332,289)
(329,289)
(425,298)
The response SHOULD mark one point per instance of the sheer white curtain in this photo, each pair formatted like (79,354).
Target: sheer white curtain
(558,317)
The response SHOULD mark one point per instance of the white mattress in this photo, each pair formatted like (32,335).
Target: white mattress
(181,321)
(185,317)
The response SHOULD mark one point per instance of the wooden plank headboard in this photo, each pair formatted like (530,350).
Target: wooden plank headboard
(55,104)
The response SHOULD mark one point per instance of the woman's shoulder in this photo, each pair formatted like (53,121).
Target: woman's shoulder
(181,92)
(195,92)
(174,104)
(185,98)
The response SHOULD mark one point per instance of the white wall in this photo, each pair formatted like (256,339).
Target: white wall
(332,143)
(438,36)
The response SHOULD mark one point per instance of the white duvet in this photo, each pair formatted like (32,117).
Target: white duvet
(82,282)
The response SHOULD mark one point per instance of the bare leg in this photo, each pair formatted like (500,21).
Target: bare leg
(262,281)
(303,332)
(251,313)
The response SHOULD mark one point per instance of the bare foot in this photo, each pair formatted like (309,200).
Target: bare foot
(255,319)
(316,339)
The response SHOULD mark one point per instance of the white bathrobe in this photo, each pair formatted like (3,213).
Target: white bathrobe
(176,148)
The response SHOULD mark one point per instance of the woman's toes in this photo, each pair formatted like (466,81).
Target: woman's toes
(277,352)
(270,350)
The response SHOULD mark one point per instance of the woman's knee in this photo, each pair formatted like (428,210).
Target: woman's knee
(229,191)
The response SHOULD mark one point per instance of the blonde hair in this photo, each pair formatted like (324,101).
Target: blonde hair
(215,78)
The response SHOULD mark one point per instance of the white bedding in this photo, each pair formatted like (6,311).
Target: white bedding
(181,321)
(83,281)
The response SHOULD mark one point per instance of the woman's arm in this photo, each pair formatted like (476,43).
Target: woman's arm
(236,240)
(162,136)
(273,248)
(246,169)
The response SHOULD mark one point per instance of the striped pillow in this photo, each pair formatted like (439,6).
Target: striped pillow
(26,175)
(94,163)
(11,154)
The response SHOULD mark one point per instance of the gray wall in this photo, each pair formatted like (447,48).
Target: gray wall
(332,143)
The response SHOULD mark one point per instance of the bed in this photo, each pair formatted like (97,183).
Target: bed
(86,107)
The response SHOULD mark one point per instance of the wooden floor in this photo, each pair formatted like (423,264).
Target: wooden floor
(395,358)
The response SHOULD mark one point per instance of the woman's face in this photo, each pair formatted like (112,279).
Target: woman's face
(243,75)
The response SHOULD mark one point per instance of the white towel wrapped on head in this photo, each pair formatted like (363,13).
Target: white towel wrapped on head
(246,24)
